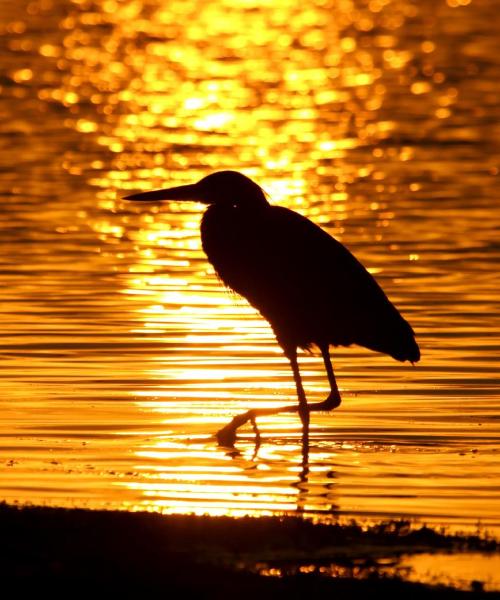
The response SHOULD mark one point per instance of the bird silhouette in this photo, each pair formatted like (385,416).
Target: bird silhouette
(311,289)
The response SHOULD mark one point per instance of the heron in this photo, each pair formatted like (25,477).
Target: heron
(310,288)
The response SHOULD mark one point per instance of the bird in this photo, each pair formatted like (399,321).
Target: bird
(310,288)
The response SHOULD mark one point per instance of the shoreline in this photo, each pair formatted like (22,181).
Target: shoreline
(59,549)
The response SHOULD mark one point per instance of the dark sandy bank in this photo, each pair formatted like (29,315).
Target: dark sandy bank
(70,552)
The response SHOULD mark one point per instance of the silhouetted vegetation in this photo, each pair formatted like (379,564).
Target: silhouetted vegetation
(71,551)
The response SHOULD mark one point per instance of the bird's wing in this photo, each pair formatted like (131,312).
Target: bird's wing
(307,284)
(316,269)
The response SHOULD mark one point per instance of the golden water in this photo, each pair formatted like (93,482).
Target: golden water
(122,354)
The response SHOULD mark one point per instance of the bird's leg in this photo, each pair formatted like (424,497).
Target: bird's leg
(303,409)
(227,435)
(333,399)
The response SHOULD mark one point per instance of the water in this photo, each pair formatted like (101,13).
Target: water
(121,352)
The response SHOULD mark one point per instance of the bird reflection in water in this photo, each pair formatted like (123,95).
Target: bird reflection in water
(310,288)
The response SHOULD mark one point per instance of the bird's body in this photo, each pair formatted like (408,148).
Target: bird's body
(309,287)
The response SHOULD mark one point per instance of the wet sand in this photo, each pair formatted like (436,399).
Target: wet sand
(73,550)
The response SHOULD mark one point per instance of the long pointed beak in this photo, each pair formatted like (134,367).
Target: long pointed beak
(181,192)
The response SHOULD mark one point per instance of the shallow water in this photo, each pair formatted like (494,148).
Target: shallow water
(122,354)
(467,571)
(461,570)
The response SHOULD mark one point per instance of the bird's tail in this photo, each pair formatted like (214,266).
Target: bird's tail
(408,350)
(397,341)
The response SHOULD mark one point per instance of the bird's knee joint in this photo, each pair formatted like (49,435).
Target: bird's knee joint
(333,401)
(304,414)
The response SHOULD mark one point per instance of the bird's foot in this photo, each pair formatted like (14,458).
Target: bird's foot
(226,436)
(256,431)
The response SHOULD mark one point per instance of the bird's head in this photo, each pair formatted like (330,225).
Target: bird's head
(222,187)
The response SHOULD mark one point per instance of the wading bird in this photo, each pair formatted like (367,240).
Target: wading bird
(310,288)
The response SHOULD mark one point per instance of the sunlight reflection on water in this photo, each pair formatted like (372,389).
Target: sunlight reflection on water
(123,354)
